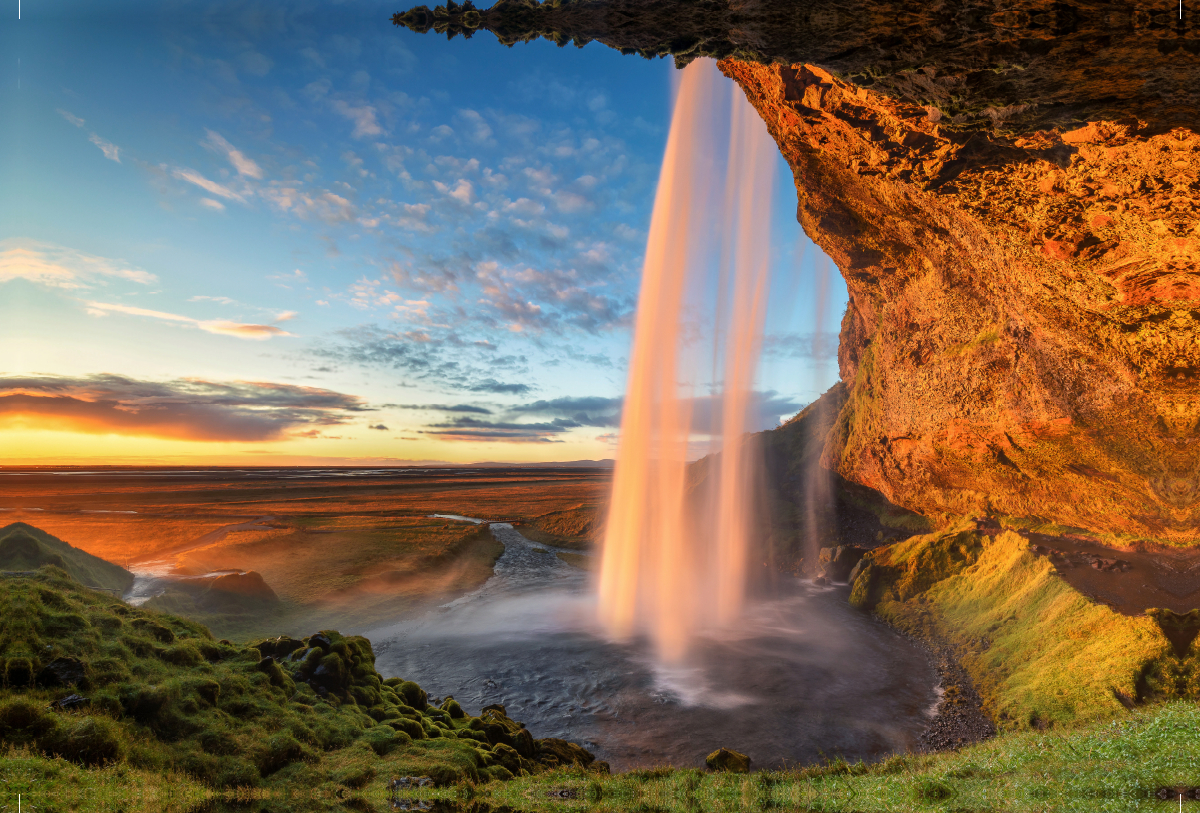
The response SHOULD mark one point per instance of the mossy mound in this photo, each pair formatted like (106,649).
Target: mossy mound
(25,548)
(1040,653)
(95,681)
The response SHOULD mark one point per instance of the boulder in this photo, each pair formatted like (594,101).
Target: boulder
(729,761)
(62,672)
(838,563)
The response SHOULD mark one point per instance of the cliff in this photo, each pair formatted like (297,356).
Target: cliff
(1022,331)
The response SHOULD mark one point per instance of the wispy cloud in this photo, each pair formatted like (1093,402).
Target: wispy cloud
(185,409)
(194,177)
(471,408)
(78,122)
(815,346)
(445,361)
(473,430)
(220,327)
(244,166)
(363,116)
(111,151)
(59,267)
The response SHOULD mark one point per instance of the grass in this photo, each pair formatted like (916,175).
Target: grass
(579,527)
(1111,766)
(48,783)
(23,547)
(163,697)
(1040,653)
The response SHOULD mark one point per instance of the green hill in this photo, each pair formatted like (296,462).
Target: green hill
(24,548)
(95,681)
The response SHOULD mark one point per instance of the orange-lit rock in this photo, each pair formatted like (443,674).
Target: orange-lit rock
(1023,335)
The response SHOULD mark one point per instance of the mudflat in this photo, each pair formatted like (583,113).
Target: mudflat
(337,546)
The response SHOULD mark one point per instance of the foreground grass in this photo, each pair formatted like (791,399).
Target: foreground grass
(1112,766)
(47,784)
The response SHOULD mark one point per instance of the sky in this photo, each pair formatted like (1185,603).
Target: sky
(256,233)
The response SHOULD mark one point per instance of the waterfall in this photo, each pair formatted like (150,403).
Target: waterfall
(675,557)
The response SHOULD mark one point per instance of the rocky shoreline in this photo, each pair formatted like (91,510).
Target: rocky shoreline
(960,718)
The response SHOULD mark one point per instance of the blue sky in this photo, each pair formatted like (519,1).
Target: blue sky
(264,232)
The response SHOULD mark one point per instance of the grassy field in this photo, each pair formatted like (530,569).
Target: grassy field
(1113,766)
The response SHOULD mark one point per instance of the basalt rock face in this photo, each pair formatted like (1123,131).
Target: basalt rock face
(1023,335)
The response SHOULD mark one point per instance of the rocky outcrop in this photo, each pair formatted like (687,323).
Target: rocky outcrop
(1023,336)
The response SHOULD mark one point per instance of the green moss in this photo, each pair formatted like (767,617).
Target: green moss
(165,697)
(24,547)
(1036,648)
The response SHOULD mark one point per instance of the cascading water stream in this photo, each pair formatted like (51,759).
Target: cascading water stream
(675,561)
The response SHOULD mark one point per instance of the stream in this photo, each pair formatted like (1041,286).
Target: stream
(804,677)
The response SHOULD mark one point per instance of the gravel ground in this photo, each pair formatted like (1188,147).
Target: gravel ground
(960,717)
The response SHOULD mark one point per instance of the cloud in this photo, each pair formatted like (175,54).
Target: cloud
(212,204)
(444,360)
(815,346)
(78,122)
(241,163)
(220,327)
(194,177)
(475,125)
(182,409)
(476,431)
(478,410)
(59,267)
(378,426)
(111,151)
(363,116)
(326,206)
(463,191)
(584,411)
(500,388)
(242,331)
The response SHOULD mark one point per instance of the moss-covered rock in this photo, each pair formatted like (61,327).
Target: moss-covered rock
(723,759)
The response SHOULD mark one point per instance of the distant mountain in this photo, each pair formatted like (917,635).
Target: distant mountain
(24,547)
(607,463)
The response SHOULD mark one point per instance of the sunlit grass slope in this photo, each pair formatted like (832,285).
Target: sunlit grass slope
(162,696)
(1040,652)
(24,547)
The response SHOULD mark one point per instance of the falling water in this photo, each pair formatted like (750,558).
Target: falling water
(675,562)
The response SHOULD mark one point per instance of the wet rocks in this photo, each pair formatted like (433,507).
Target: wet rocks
(839,562)
(71,701)
(723,759)
(407,782)
(1064,559)
(960,719)
(62,672)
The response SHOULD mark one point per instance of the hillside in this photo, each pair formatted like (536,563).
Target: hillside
(95,681)
(24,547)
